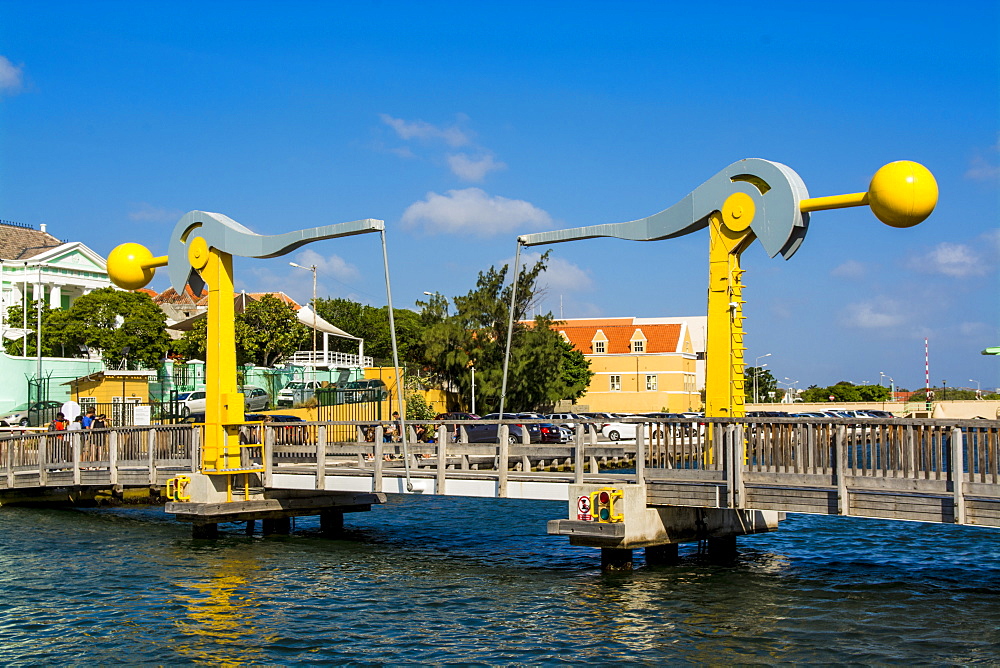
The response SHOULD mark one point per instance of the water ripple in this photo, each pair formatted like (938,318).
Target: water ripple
(431,580)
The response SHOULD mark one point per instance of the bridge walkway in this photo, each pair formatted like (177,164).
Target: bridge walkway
(921,470)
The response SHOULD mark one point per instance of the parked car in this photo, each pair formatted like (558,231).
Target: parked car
(37,414)
(619,431)
(538,432)
(191,402)
(605,419)
(564,419)
(289,429)
(361,391)
(255,398)
(296,392)
(543,432)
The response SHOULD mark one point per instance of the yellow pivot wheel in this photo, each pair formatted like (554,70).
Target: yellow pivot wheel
(738,211)
(131,266)
(902,193)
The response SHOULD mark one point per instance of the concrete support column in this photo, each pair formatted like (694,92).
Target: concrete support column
(37,292)
(615,559)
(331,522)
(722,549)
(662,555)
(205,530)
(279,525)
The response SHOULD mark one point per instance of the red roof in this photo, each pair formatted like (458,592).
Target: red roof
(659,338)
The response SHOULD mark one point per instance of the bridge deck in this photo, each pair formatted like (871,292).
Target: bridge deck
(922,470)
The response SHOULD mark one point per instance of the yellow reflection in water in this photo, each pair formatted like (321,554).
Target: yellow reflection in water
(218,625)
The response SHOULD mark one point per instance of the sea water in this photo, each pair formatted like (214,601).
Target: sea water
(462,580)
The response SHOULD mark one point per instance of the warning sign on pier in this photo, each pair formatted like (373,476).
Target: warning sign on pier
(583,509)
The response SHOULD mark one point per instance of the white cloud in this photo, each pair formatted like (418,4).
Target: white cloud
(981,169)
(473,211)
(473,169)
(955,260)
(147,213)
(879,313)
(849,269)
(560,276)
(452,135)
(985,169)
(334,266)
(11,76)
(976,329)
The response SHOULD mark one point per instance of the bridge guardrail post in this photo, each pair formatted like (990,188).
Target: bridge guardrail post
(503,452)
(640,455)
(267,478)
(321,457)
(578,454)
(958,473)
(151,454)
(442,460)
(75,446)
(840,452)
(731,459)
(10,462)
(43,455)
(379,460)
(113,456)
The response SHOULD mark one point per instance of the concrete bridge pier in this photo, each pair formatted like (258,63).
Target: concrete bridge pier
(616,560)
(212,502)
(276,526)
(662,555)
(722,549)
(207,530)
(331,523)
(625,521)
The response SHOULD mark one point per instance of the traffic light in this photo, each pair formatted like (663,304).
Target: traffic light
(602,504)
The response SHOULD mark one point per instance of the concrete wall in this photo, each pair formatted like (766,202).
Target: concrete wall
(15,371)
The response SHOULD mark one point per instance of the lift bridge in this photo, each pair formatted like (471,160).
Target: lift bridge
(714,478)
(687,479)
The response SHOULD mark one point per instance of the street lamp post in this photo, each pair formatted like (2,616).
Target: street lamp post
(979,389)
(892,384)
(791,389)
(756,372)
(311,268)
(473,389)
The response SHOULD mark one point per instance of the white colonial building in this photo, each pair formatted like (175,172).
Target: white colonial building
(35,264)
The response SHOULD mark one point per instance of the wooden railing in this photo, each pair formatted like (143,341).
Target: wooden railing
(99,457)
(926,470)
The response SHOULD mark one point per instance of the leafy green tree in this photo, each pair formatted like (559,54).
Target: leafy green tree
(53,336)
(765,384)
(873,393)
(372,325)
(541,369)
(126,327)
(267,332)
(845,391)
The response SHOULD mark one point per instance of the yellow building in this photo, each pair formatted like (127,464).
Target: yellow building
(112,387)
(640,364)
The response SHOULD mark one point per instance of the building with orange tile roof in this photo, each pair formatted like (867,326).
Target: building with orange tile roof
(640,364)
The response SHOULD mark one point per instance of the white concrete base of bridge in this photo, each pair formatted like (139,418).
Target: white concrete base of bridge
(635,525)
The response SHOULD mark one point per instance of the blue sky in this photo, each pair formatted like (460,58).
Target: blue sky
(463,125)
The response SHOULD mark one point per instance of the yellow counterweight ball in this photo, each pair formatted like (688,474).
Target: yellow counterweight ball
(125,266)
(903,193)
